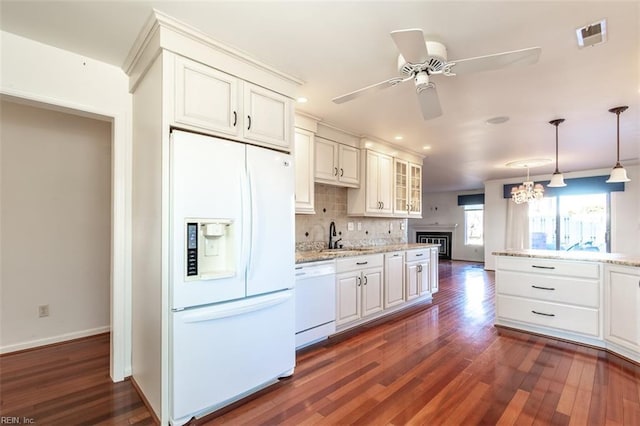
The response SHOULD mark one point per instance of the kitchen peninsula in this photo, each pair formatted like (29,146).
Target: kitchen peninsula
(586,297)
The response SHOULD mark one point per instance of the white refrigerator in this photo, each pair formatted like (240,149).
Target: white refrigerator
(232,272)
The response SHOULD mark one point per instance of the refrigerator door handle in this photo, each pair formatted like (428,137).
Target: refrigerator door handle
(253,219)
(233,309)
(246,219)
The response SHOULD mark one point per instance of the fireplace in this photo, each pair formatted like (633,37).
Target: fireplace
(437,237)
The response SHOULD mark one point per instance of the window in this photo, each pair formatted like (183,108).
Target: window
(570,222)
(473,225)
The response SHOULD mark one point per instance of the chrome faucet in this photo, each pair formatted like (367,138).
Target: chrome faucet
(332,233)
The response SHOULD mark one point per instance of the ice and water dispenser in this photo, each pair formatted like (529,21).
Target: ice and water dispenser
(210,252)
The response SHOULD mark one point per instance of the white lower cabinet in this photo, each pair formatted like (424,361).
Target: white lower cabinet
(393,279)
(359,287)
(562,297)
(622,307)
(433,267)
(417,274)
(591,302)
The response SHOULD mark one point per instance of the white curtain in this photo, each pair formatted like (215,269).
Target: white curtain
(517,234)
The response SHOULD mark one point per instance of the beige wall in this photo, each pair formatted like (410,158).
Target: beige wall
(312,231)
(55,194)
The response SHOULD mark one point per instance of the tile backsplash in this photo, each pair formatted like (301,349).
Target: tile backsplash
(312,231)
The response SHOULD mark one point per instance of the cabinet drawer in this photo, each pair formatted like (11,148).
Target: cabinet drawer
(393,254)
(573,291)
(549,266)
(561,317)
(359,262)
(414,255)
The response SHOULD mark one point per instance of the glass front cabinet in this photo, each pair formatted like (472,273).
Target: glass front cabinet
(408,189)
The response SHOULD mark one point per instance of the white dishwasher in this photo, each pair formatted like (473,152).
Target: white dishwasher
(315,301)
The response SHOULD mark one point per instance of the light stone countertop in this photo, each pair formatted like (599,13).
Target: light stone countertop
(589,256)
(316,255)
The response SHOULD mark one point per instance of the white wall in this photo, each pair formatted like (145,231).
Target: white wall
(443,208)
(55,192)
(625,213)
(54,77)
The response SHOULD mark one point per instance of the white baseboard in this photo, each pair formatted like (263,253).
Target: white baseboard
(54,339)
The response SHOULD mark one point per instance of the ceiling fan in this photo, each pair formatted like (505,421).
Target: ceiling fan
(419,59)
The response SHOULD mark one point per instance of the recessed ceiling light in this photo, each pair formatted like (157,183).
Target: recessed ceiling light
(398,138)
(302,100)
(426,147)
(497,120)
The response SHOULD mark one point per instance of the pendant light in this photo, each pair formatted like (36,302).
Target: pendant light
(618,174)
(557,180)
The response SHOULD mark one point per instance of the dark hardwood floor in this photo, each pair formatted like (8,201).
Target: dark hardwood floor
(438,364)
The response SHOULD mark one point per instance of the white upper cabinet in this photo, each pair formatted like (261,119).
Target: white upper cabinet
(375,197)
(267,116)
(407,189)
(206,98)
(336,163)
(214,101)
(304,161)
(415,190)
(348,165)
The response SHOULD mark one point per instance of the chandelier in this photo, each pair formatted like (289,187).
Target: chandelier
(526,192)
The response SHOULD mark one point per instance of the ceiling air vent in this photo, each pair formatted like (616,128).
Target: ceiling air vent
(592,34)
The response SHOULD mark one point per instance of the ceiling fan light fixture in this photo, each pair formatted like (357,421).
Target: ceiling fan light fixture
(557,180)
(618,174)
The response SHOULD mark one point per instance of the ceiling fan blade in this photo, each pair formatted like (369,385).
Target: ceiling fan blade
(411,45)
(499,60)
(373,88)
(429,103)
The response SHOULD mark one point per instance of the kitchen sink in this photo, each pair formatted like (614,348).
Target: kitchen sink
(346,250)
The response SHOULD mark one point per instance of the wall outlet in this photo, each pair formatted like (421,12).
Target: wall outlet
(402,225)
(350,226)
(43,311)
(359,226)
(390,226)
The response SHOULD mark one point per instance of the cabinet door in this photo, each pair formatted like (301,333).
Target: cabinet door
(424,275)
(393,280)
(622,307)
(401,181)
(372,291)
(326,161)
(385,183)
(348,297)
(267,116)
(433,268)
(373,203)
(411,281)
(415,190)
(349,165)
(206,98)
(304,161)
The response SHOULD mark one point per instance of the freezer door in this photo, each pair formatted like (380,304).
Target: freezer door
(270,266)
(227,351)
(208,180)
